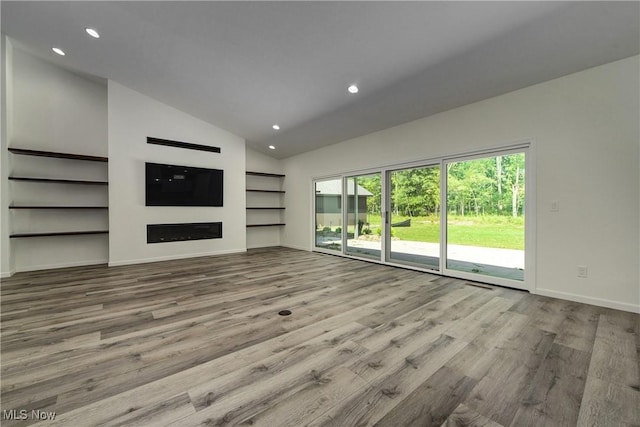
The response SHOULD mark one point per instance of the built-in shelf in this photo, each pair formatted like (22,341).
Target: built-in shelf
(57,207)
(58,181)
(265,191)
(61,209)
(58,233)
(273,175)
(71,156)
(272,187)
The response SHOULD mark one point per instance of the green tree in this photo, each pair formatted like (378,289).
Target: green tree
(479,185)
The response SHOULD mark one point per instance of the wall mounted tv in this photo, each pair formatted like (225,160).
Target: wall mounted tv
(172,185)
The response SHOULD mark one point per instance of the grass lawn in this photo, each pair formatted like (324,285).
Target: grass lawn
(484,231)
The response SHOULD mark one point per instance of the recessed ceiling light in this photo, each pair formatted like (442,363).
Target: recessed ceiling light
(353,89)
(93,33)
(271,147)
(58,51)
(276,127)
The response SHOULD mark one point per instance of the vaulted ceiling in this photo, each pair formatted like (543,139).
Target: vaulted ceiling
(245,66)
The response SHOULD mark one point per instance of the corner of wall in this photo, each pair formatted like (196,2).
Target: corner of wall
(6,76)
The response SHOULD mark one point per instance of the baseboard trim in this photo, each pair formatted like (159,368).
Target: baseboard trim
(6,274)
(61,265)
(601,302)
(174,257)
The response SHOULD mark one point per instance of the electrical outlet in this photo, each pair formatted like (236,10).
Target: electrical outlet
(582,271)
(555,206)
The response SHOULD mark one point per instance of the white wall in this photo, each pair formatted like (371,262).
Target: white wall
(259,237)
(56,110)
(52,109)
(586,134)
(6,79)
(258,162)
(133,117)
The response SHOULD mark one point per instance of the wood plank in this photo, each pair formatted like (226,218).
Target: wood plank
(311,401)
(432,402)
(609,404)
(615,357)
(395,384)
(160,413)
(464,416)
(516,363)
(555,393)
(477,358)
(578,329)
(258,387)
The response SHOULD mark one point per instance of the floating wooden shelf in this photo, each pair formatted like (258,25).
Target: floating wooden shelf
(264,225)
(57,207)
(58,155)
(58,233)
(72,156)
(273,175)
(259,208)
(265,191)
(58,181)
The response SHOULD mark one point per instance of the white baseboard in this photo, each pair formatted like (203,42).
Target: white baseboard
(6,274)
(61,265)
(589,300)
(172,257)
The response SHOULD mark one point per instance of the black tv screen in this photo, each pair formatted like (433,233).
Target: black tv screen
(172,185)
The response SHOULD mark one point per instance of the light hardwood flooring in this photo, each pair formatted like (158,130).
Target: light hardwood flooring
(199,342)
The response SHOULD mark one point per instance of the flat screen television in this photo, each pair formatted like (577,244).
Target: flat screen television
(172,185)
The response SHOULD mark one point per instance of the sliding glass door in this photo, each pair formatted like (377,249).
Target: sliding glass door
(461,216)
(413,235)
(485,218)
(364,215)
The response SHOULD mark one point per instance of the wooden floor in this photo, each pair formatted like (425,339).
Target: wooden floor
(200,342)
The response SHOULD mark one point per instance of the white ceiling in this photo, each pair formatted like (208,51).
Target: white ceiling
(244,66)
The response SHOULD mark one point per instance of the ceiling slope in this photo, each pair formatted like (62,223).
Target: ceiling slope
(245,66)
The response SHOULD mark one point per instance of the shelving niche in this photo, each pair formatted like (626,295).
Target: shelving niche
(265,199)
(59,202)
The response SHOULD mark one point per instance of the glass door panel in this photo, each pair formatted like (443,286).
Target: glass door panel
(485,223)
(364,215)
(414,212)
(328,214)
